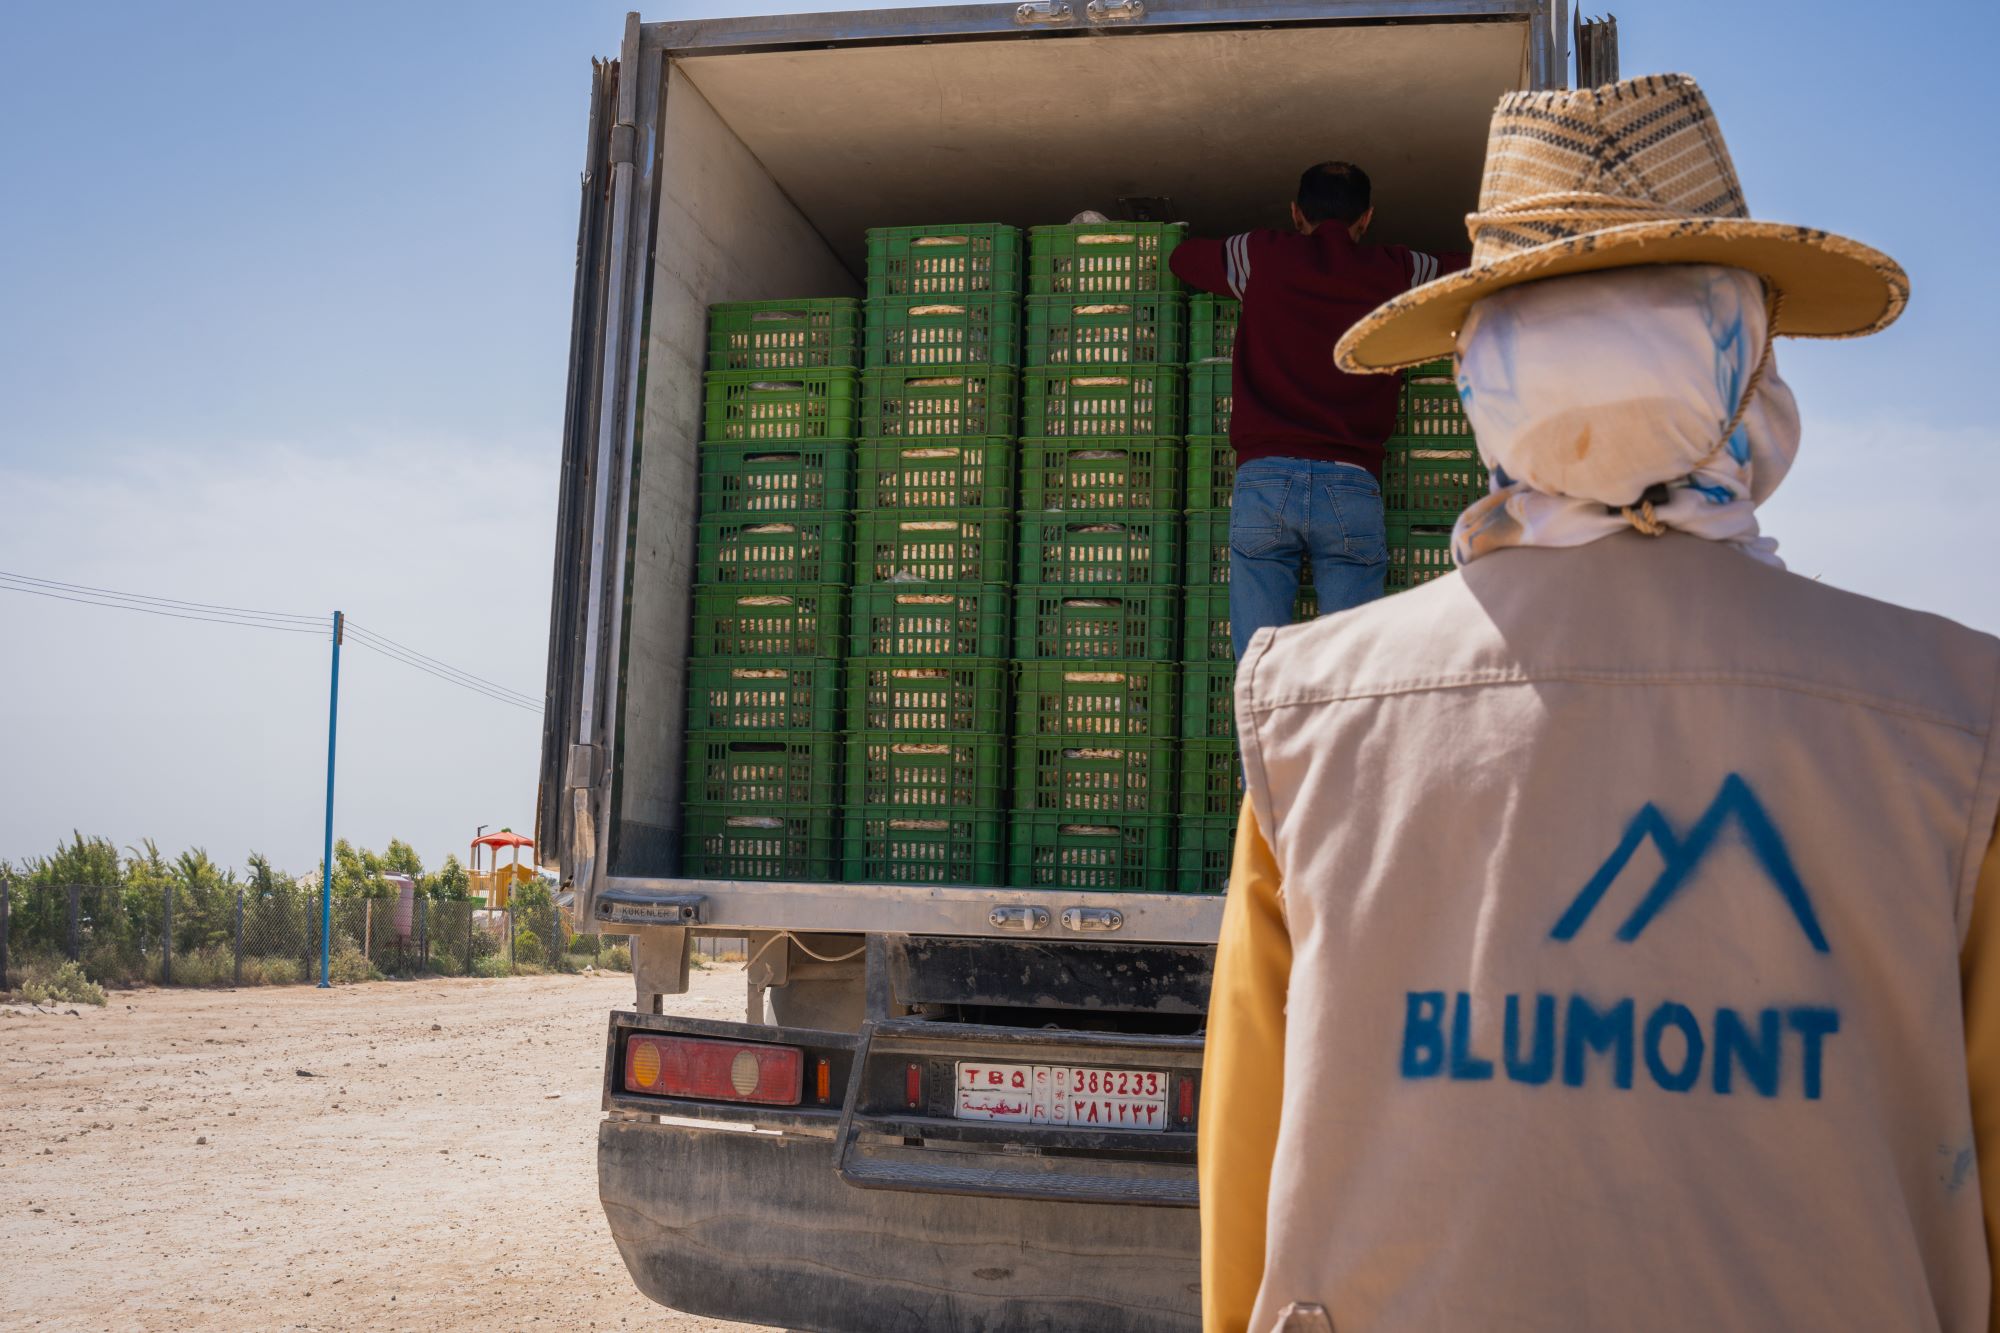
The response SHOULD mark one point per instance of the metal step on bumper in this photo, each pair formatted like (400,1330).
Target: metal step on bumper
(899,1130)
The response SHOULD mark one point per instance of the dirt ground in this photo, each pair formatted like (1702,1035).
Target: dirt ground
(163,1165)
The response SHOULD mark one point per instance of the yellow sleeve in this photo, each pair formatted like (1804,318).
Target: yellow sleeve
(1979,970)
(1242,1079)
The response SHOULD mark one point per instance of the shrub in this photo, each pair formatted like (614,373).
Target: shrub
(527,946)
(114,964)
(64,984)
(349,964)
(616,958)
(490,965)
(272,972)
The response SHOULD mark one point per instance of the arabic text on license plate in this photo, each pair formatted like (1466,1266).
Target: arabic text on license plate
(1063,1095)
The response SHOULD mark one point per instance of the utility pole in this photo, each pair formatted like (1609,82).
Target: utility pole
(326,866)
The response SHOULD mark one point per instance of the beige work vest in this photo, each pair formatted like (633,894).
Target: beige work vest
(1625,885)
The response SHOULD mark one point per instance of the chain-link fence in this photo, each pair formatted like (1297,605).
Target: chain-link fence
(238,937)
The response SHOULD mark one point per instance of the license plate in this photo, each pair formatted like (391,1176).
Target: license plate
(1068,1095)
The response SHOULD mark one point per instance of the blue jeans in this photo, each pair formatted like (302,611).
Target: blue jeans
(1286,509)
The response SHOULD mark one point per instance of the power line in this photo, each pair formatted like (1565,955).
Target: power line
(384,641)
(287,622)
(7,586)
(449,680)
(173,602)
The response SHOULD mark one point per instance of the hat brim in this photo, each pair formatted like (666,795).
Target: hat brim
(1833,287)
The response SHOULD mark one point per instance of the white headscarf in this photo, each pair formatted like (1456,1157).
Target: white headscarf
(1585,391)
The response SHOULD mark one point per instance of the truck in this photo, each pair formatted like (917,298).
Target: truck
(736,159)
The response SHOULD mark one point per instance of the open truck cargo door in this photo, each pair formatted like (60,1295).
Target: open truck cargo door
(607,313)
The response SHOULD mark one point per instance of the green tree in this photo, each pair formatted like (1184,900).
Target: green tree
(81,861)
(147,875)
(39,919)
(531,894)
(451,883)
(402,859)
(357,872)
(204,900)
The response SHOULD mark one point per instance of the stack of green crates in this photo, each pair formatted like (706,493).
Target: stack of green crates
(773,555)
(1431,472)
(927,684)
(1097,702)
(1210,782)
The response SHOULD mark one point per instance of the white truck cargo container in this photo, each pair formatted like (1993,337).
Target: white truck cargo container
(742,159)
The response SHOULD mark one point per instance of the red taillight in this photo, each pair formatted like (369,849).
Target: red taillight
(1187,1099)
(721,1071)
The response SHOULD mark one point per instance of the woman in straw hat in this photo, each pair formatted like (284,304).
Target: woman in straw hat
(1645,982)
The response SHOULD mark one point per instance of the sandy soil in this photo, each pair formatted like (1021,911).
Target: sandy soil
(163,1165)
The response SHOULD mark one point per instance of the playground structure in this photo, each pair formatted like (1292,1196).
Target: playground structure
(490,881)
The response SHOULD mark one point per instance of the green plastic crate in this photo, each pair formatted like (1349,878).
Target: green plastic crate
(1206,634)
(952,260)
(1431,409)
(1095,777)
(1211,780)
(1204,850)
(1097,624)
(1208,548)
(1138,547)
(1102,258)
(786,694)
(1208,701)
(801,621)
(763,769)
(1145,328)
(774,548)
(903,771)
(1095,701)
(738,479)
(969,473)
(944,331)
(763,405)
(1209,395)
(819,334)
(935,698)
(1130,854)
(728,842)
(925,847)
(939,403)
(1419,551)
(1211,473)
(1433,478)
(1070,404)
(1212,326)
(944,546)
(1111,473)
(898,620)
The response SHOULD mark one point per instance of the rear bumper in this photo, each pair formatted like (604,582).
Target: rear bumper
(760,1227)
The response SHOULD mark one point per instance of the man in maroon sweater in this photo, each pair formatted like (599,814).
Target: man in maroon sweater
(1308,437)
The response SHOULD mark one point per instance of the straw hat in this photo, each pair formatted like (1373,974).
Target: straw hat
(1631,173)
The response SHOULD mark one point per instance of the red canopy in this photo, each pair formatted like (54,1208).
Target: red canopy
(504,838)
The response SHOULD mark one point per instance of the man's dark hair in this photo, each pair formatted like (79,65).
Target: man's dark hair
(1334,190)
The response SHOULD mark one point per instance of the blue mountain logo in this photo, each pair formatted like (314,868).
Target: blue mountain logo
(1735,804)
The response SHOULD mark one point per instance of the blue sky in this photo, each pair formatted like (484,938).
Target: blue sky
(284,302)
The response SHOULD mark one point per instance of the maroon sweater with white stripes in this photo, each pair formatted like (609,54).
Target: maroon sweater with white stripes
(1300,294)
